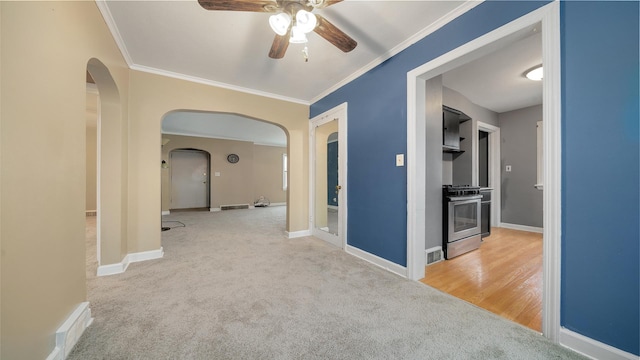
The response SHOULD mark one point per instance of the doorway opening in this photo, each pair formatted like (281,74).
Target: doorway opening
(547,18)
(328,174)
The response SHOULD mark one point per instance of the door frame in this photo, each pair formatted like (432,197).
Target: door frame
(494,167)
(340,113)
(549,18)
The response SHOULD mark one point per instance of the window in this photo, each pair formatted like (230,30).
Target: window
(284,172)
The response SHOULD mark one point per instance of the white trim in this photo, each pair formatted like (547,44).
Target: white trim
(534,229)
(332,207)
(340,113)
(70,331)
(376,260)
(298,234)
(447,18)
(166,212)
(549,16)
(146,255)
(278,204)
(592,348)
(214,209)
(115,33)
(119,268)
(495,180)
(203,81)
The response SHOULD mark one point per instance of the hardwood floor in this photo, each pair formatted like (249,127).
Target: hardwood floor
(504,276)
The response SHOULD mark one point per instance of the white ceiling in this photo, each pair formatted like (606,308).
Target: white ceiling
(230,49)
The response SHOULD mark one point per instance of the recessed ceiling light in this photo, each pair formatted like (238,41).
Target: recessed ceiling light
(534,74)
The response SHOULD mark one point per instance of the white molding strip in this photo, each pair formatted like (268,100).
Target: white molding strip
(166,212)
(70,331)
(376,260)
(119,268)
(450,16)
(111,24)
(534,229)
(200,80)
(278,204)
(298,234)
(332,207)
(592,348)
(214,209)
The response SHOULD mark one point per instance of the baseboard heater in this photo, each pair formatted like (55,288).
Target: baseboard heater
(234,207)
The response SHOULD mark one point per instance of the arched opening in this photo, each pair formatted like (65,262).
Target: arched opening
(248,159)
(110,170)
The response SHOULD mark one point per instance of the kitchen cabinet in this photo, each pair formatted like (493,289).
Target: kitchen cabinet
(451,120)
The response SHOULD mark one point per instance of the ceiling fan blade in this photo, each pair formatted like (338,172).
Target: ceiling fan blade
(280,45)
(326,3)
(334,35)
(240,5)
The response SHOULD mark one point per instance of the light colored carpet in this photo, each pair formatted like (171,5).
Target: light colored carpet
(232,286)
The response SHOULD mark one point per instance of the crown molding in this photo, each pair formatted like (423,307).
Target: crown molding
(219,137)
(203,81)
(111,24)
(450,16)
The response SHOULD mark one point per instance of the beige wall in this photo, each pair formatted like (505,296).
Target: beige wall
(259,171)
(45,50)
(153,96)
(267,173)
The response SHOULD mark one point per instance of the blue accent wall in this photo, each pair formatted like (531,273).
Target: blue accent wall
(600,183)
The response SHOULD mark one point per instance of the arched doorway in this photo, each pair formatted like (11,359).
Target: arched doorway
(110,167)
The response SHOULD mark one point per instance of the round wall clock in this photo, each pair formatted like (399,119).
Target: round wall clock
(233,158)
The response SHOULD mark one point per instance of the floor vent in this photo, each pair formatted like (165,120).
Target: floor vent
(434,255)
(234,207)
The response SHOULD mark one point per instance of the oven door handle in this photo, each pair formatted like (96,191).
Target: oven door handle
(463,198)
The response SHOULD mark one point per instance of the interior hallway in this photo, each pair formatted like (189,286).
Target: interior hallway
(504,276)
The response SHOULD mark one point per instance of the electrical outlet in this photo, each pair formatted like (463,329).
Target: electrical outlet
(399,159)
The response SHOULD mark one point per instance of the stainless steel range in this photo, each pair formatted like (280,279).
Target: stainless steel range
(460,219)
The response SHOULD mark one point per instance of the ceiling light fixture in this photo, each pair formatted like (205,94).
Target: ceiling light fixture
(306,21)
(280,23)
(297,35)
(534,74)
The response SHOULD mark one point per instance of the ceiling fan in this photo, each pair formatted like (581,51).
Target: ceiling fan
(292,20)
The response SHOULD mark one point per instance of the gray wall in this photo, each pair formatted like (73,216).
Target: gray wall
(460,165)
(521,202)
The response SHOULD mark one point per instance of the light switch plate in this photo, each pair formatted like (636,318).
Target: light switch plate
(399,159)
(508,168)
(217,173)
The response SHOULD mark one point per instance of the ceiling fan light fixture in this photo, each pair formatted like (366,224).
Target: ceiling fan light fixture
(306,21)
(297,36)
(534,74)
(280,23)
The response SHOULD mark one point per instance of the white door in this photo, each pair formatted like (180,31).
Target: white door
(328,176)
(189,179)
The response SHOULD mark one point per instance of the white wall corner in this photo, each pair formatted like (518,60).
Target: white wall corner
(166,212)
(113,269)
(146,255)
(70,331)
(592,348)
(378,261)
(298,234)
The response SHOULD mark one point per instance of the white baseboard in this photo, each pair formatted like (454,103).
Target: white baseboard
(298,234)
(278,204)
(119,268)
(166,212)
(378,261)
(332,207)
(251,207)
(214,209)
(592,348)
(70,331)
(521,227)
